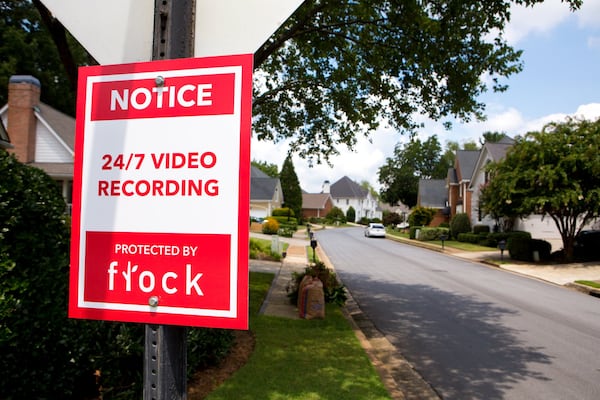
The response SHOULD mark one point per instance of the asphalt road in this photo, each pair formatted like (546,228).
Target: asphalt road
(472,331)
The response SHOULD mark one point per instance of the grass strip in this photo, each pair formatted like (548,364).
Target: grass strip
(301,359)
(589,283)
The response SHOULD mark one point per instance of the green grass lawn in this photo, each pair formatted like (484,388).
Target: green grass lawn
(593,284)
(301,359)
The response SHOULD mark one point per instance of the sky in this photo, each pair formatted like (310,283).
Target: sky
(560,78)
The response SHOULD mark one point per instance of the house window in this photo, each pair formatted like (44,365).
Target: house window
(347,201)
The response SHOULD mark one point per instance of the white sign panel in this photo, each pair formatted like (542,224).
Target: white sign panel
(161,192)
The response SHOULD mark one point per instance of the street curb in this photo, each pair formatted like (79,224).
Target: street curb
(401,380)
(584,289)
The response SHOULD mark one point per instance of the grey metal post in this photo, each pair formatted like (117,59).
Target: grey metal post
(165,351)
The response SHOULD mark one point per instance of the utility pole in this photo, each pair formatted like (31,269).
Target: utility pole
(165,350)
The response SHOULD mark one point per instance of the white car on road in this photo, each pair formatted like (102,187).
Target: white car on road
(375,230)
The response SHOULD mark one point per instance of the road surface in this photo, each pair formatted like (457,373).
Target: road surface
(472,331)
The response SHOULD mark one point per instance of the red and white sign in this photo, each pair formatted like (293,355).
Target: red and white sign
(161,193)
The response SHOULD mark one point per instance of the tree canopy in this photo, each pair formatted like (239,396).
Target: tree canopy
(554,172)
(268,168)
(335,70)
(414,160)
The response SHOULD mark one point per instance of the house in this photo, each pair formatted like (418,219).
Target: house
(39,135)
(346,193)
(316,205)
(265,193)
(433,193)
(458,181)
(490,152)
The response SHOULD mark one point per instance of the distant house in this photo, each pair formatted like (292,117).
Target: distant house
(39,135)
(316,205)
(265,193)
(458,181)
(346,193)
(433,193)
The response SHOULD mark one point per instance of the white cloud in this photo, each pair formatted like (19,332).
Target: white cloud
(589,14)
(593,42)
(540,19)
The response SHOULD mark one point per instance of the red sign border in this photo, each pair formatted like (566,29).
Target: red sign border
(240,321)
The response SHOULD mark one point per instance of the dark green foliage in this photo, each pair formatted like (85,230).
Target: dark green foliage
(44,353)
(460,223)
(283,212)
(268,168)
(207,347)
(292,193)
(412,161)
(421,216)
(27,48)
(429,234)
(468,238)
(351,214)
(335,215)
(518,246)
(34,329)
(481,229)
(553,173)
(334,291)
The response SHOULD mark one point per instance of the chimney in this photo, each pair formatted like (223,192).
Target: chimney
(325,187)
(23,97)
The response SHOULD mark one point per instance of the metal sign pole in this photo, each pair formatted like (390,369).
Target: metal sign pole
(165,351)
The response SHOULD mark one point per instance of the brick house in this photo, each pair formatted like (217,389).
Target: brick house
(39,135)
(316,205)
(458,182)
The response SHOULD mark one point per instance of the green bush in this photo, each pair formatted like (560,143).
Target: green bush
(46,355)
(351,214)
(429,234)
(335,215)
(518,246)
(468,238)
(460,223)
(421,216)
(481,229)
(290,222)
(334,292)
(283,212)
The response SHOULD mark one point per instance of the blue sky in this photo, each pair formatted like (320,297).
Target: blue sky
(561,77)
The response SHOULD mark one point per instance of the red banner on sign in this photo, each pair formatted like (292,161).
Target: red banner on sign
(175,97)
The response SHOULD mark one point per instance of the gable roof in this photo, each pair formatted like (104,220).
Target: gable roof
(262,186)
(315,201)
(497,151)
(432,193)
(347,188)
(465,161)
(61,124)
